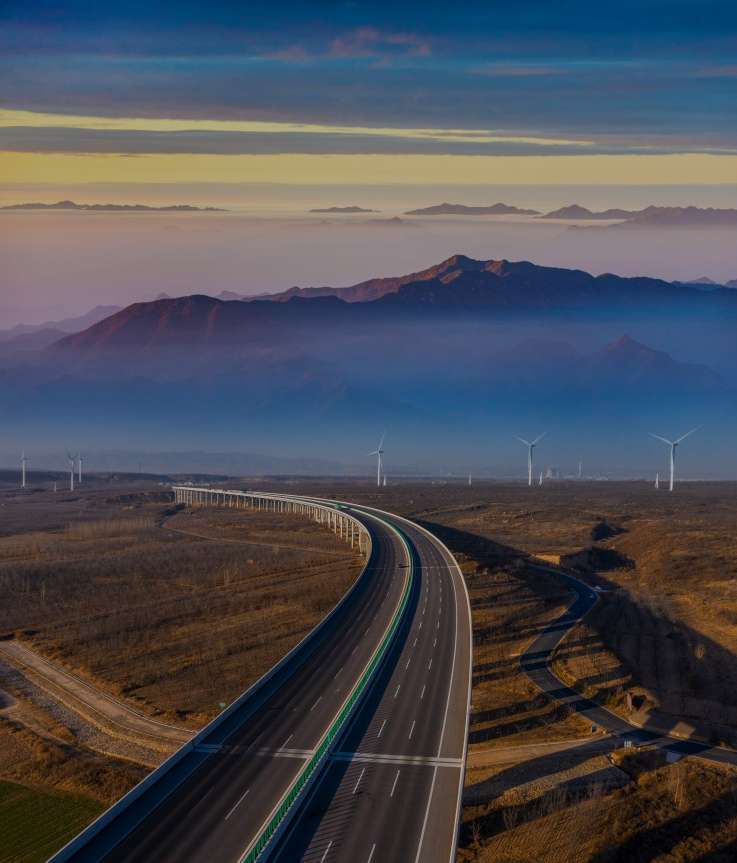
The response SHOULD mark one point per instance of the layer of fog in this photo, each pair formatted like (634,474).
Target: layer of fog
(56,265)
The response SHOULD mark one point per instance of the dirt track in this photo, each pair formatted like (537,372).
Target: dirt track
(96,706)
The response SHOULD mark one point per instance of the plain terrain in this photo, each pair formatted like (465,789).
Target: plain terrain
(660,647)
(664,631)
(174,613)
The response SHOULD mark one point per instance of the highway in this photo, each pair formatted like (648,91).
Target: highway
(390,787)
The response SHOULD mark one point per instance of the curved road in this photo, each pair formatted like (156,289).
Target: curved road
(392,792)
(536,662)
(391,789)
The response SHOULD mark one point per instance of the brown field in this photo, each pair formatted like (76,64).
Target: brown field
(176,613)
(665,631)
(176,618)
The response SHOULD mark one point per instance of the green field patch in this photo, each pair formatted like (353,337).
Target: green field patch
(34,824)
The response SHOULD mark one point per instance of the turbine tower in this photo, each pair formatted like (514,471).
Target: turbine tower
(71,460)
(79,468)
(379,453)
(673,444)
(530,447)
(657,480)
(23,463)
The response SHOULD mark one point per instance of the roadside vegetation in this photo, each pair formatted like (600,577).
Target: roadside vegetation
(174,612)
(178,618)
(660,648)
(149,613)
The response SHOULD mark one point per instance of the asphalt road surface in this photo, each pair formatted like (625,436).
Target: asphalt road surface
(536,663)
(391,790)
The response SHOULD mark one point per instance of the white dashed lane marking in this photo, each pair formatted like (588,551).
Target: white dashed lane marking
(358,781)
(394,784)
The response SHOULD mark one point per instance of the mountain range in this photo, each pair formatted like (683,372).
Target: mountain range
(114,208)
(576,211)
(460,347)
(350,209)
(464,210)
(464,282)
(651,216)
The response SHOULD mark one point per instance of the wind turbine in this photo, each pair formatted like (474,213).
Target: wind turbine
(23,463)
(673,444)
(657,480)
(71,460)
(530,447)
(379,453)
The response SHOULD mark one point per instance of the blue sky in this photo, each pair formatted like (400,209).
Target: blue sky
(659,75)
(572,92)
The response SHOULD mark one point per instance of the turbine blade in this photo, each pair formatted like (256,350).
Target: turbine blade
(683,437)
(664,439)
(522,440)
(539,438)
(381,442)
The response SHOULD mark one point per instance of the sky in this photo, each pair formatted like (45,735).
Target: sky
(270,109)
(335,93)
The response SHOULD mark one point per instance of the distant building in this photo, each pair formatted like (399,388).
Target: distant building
(552,473)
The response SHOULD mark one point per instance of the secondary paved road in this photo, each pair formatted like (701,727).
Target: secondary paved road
(536,663)
(392,790)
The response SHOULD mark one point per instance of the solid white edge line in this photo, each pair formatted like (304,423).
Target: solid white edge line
(444,550)
(105,817)
(345,731)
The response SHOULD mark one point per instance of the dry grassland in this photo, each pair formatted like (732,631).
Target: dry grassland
(176,621)
(174,612)
(665,631)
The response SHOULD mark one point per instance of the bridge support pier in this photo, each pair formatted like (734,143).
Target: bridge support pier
(343,525)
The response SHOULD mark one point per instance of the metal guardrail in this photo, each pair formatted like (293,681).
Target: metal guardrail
(431,536)
(77,844)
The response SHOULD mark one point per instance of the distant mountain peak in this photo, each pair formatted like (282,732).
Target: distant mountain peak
(625,345)
(350,209)
(446,209)
(576,211)
(458,262)
(113,208)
